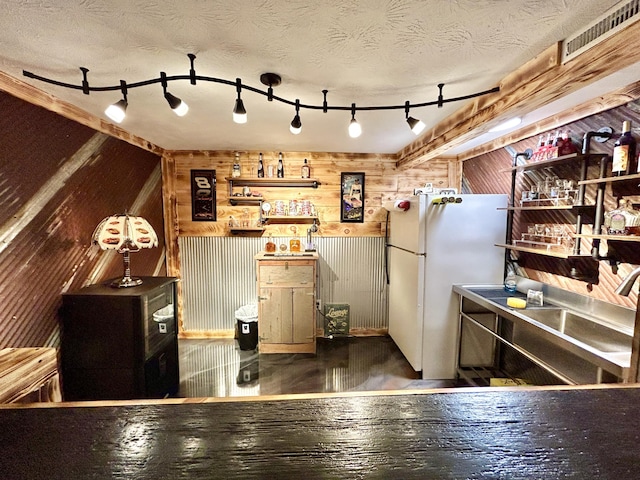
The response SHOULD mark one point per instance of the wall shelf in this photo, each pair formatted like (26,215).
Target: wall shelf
(620,238)
(237,230)
(242,200)
(575,208)
(552,162)
(274,182)
(290,219)
(541,251)
(635,176)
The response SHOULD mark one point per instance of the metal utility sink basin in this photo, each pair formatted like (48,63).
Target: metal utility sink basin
(590,332)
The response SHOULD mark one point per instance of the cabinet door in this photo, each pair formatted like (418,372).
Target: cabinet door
(275,315)
(303,300)
(286,315)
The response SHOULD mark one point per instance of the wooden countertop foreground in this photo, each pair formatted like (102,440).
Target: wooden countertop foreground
(467,433)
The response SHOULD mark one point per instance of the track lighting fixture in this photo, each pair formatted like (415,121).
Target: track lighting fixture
(355,130)
(416,126)
(179,107)
(116,111)
(239,112)
(296,124)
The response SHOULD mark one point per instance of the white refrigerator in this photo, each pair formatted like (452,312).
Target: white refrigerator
(430,247)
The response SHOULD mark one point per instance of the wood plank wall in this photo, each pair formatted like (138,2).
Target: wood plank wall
(383,182)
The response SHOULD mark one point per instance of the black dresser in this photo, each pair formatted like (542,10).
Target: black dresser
(120,343)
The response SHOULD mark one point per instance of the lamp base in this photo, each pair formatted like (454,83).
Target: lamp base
(126,282)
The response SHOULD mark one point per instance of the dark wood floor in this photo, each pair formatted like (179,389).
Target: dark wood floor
(218,368)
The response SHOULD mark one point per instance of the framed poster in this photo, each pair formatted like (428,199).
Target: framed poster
(203,195)
(352,195)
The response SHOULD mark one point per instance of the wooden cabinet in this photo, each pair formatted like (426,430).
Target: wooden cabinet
(120,343)
(286,303)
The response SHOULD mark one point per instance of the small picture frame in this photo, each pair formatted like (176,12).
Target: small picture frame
(352,197)
(203,195)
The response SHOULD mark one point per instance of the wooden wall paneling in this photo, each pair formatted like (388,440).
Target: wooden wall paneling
(611,100)
(383,182)
(537,83)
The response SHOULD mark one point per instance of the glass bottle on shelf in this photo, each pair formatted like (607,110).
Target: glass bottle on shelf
(270,247)
(567,147)
(294,245)
(624,153)
(236,172)
(246,218)
(537,155)
(624,220)
(305,170)
(280,169)
(260,166)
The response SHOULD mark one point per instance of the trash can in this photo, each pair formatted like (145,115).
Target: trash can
(247,320)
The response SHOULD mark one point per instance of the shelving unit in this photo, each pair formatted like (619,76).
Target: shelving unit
(236,200)
(578,209)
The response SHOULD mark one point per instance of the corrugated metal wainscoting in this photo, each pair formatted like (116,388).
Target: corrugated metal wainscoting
(219,275)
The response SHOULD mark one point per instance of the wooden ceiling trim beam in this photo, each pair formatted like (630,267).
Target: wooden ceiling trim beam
(611,100)
(35,96)
(518,96)
(460,126)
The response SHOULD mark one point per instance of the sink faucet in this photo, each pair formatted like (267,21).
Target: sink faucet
(625,287)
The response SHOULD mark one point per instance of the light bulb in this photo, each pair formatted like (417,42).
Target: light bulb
(417,126)
(117,111)
(355,130)
(239,112)
(296,125)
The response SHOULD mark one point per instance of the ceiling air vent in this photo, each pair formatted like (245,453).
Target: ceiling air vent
(617,18)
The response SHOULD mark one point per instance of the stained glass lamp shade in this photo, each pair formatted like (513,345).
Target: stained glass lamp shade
(125,233)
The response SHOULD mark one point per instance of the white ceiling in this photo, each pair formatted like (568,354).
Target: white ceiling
(371,52)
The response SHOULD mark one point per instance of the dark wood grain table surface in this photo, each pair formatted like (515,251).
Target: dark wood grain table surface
(467,433)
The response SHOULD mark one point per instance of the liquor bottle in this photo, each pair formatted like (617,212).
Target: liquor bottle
(624,220)
(236,167)
(260,167)
(270,247)
(280,169)
(555,145)
(624,153)
(548,146)
(537,155)
(305,171)
(567,147)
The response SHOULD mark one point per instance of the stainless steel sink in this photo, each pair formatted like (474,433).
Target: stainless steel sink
(590,332)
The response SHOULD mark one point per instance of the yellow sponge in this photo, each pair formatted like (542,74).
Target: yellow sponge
(516,302)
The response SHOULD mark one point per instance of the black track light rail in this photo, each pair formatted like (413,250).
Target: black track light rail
(193,79)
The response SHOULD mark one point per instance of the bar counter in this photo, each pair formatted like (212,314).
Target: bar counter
(511,433)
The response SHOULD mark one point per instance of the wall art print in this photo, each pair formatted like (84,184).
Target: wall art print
(203,195)
(352,189)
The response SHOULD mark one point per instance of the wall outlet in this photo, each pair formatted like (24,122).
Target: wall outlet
(319,305)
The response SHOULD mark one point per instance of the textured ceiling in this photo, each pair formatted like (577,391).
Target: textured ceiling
(373,52)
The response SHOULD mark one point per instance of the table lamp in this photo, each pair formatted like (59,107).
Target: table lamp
(125,233)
